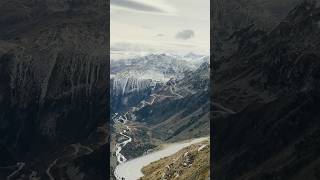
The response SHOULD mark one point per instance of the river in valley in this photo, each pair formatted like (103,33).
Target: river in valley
(131,170)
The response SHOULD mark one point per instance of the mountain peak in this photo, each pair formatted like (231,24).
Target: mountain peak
(193,55)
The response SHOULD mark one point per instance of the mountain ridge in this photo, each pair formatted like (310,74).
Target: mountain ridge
(271,82)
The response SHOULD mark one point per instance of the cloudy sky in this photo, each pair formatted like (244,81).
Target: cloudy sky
(140,27)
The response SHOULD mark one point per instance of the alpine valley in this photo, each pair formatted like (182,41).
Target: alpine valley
(160,108)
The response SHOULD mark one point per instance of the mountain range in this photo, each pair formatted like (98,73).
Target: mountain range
(164,97)
(266,70)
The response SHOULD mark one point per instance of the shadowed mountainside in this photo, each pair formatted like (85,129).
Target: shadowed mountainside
(271,80)
(53,86)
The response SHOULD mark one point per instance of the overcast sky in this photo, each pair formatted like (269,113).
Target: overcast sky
(141,27)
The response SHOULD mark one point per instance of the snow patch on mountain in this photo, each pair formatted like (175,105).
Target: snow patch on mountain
(135,81)
(138,74)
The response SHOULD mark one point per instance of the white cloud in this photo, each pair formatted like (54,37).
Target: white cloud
(185,34)
(160,35)
(143,30)
(146,6)
(128,49)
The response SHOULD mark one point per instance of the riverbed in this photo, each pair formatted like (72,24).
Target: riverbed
(131,170)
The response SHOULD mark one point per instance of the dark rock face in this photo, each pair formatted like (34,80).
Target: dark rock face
(230,16)
(270,78)
(94,164)
(54,64)
(279,139)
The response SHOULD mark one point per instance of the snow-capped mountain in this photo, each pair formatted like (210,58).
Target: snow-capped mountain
(140,73)
(163,62)
(196,60)
(193,56)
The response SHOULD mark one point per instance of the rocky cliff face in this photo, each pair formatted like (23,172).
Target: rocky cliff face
(54,69)
(271,82)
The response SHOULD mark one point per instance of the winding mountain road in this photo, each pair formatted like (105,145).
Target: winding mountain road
(219,106)
(76,149)
(173,92)
(49,169)
(20,166)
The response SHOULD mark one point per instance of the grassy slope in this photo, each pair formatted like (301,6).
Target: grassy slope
(198,168)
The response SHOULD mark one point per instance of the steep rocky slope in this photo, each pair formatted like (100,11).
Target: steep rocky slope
(54,68)
(271,81)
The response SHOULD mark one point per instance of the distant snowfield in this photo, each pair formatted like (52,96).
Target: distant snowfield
(131,170)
